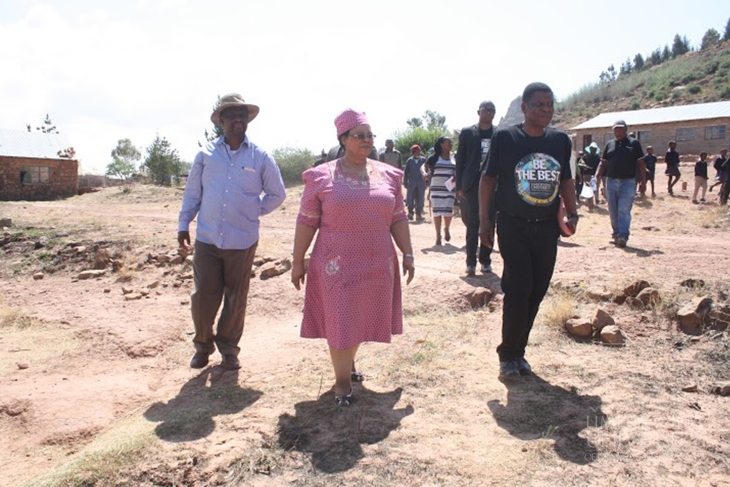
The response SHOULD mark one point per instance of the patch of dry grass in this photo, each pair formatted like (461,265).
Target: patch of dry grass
(558,307)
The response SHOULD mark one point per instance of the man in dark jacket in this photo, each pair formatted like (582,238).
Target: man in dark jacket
(473,148)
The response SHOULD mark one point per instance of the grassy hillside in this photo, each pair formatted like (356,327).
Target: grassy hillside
(695,77)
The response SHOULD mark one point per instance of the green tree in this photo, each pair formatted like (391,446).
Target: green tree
(124,160)
(217,131)
(711,38)
(656,57)
(680,46)
(638,62)
(292,163)
(163,162)
(726,35)
(625,68)
(666,53)
(424,137)
(415,122)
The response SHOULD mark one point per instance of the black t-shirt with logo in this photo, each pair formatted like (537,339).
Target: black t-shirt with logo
(622,156)
(529,171)
(486,140)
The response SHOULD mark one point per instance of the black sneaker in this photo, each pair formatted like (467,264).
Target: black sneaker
(523,366)
(509,370)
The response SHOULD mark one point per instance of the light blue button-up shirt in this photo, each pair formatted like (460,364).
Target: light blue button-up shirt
(224,188)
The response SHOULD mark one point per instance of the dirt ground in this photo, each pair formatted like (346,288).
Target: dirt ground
(95,387)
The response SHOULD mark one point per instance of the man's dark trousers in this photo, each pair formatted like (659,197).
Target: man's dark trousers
(470,217)
(529,250)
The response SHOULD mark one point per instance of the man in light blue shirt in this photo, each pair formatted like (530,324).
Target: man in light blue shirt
(231,184)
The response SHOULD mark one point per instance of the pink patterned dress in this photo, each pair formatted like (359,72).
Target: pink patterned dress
(353,292)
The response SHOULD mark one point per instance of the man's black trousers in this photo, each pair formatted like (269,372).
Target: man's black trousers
(528,249)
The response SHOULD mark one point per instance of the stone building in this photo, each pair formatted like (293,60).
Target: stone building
(36,166)
(695,128)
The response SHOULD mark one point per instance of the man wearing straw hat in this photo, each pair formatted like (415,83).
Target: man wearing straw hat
(231,184)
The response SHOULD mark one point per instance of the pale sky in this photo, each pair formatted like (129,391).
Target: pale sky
(108,70)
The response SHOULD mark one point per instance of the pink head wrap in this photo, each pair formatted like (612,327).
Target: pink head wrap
(349,119)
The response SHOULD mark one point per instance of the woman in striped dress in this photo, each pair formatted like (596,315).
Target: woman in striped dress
(443,172)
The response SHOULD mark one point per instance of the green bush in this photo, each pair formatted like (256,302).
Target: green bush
(425,137)
(694,89)
(635,105)
(725,93)
(293,162)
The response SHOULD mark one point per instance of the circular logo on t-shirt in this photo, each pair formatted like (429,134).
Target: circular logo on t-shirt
(537,178)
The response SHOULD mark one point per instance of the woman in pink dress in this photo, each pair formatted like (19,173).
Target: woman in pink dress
(353,290)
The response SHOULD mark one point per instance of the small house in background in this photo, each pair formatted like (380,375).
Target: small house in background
(36,166)
(695,128)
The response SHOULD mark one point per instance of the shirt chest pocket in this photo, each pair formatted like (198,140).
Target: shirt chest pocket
(248,180)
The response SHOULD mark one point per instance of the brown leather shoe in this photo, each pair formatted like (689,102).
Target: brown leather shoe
(230,362)
(200,360)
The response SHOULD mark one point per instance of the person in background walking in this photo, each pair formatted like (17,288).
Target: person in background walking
(650,163)
(470,156)
(415,183)
(700,178)
(720,175)
(443,173)
(671,158)
(391,156)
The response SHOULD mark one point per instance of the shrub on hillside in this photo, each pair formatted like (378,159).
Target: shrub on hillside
(293,162)
(694,89)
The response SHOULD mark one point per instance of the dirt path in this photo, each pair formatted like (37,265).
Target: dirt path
(431,412)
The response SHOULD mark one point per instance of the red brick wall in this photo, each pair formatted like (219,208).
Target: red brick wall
(63,180)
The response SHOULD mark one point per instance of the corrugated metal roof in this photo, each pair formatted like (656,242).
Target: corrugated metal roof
(19,143)
(683,113)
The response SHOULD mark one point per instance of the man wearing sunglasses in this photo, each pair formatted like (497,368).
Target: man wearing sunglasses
(232,183)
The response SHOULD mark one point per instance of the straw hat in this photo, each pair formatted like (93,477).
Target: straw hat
(233,100)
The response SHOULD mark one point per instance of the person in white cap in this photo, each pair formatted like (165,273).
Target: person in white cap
(231,184)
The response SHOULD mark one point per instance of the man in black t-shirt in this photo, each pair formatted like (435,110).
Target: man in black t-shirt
(473,148)
(529,165)
(622,163)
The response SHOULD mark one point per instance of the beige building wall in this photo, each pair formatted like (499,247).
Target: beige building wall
(659,135)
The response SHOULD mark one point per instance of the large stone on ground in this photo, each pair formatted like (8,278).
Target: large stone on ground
(91,273)
(6,222)
(273,269)
(579,327)
(602,319)
(649,297)
(723,389)
(598,294)
(38,276)
(635,288)
(613,335)
(690,318)
(479,297)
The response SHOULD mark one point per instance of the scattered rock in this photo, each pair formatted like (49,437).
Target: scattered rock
(649,297)
(186,276)
(613,335)
(692,388)
(723,389)
(144,292)
(635,288)
(693,283)
(273,269)
(189,259)
(691,316)
(602,319)
(479,297)
(80,249)
(38,276)
(178,259)
(127,290)
(153,284)
(22,365)
(6,222)
(598,295)
(41,242)
(579,327)
(132,296)
(184,252)
(107,290)
(634,303)
(92,273)
(259,261)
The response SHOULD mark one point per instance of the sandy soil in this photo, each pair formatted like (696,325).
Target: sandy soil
(95,389)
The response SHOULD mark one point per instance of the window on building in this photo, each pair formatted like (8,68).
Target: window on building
(35,174)
(715,132)
(644,136)
(685,134)
(608,137)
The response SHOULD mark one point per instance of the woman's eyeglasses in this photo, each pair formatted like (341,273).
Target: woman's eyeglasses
(362,137)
